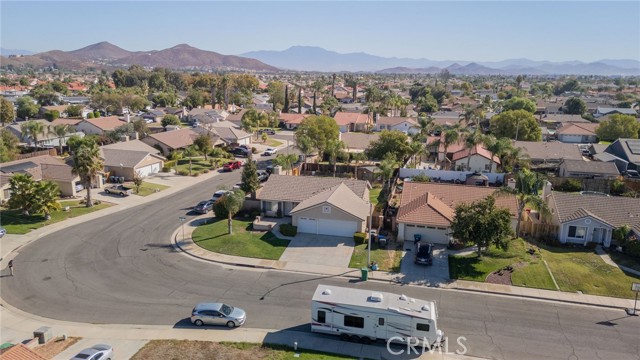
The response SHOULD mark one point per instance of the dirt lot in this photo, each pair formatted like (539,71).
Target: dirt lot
(55,347)
(205,350)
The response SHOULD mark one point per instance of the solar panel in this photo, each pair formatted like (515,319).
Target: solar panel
(18,167)
(634,146)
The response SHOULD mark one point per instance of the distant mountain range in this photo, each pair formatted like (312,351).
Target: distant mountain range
(7,52)
(106,55)
(310,58)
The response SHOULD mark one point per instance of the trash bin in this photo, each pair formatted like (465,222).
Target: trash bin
(364,274)
(417,237)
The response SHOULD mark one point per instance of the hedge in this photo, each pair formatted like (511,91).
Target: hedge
(360,237)
(288,230)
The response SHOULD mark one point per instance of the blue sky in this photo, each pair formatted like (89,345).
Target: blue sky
(457,30)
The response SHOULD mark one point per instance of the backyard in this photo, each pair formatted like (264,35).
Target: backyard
(191,349)
(387,259)
(243,242)
(15,223)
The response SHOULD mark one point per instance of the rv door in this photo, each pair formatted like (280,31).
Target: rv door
(380,328)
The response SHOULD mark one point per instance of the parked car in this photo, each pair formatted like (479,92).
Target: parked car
(79,187)
(240,151)
(203,207)
(263,175)
(96,352)
(218,194)
(3,232)
(423,254)
(217,314)
(118,190)
(270,151)
(632,174)
(267,131)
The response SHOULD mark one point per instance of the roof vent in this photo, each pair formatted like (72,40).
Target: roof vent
(375,297)
(326,292)
(425,308)
(404,297)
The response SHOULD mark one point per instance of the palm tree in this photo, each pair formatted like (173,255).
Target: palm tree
(47,193)
(190,152)
(528,184)
(334,149)
(33,129)
(471,140)
(466,115)
(87,164)
(387,166)
(61,131)
(496,147)
(286,161)
(513,158)
(358,157)
(426,124)
(232,202)
(416,148)
(450,137)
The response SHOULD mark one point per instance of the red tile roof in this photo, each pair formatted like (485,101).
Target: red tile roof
(291,118)
(478,149)
(106,123)
(19,352)
(346,118)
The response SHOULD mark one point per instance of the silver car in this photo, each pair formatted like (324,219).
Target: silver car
(217,314)
(96,352)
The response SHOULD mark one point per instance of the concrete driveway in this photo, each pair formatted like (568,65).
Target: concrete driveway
(434,275)
(322,250)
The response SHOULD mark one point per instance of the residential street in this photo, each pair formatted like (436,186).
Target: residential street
(122,269)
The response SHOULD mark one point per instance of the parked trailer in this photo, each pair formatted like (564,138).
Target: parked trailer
(363,315)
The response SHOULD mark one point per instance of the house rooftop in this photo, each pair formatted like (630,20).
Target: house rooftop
(106,123)
(617,211)
(341,197)
(358,141)
(545,151)
(300,188)
(176,139)
(591,167)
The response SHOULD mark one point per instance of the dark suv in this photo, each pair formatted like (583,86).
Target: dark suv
(424,253)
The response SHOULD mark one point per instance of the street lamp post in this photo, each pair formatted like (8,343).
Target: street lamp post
(369,234)
(182,220)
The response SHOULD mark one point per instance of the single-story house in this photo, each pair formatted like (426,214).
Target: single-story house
(70,122)
(207,116)
(44,167)
(427,209)
(588,169)
(602,111)
(154,115)
(627,150)
(230,135)
(130,157)
(99,126)
(290,121)
(405,124)
(479,159)
(348,121)
(585,218)
(554,121)
(170,141)
(61,109)
(578,133)
(318,205)
(46,139)
(358,142)
(552,152)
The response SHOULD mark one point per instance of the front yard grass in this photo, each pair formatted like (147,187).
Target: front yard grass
(529,272)
(578,269)
(15,223)
(387,259)
(199,164)
(148,188)
(192,349)
(243,242)
(272,142)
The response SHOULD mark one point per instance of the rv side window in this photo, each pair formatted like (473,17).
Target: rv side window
(380,321)
(322,316)
(422,327)
(353,321)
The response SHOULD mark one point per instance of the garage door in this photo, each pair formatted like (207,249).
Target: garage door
(429,233)
(337,227)
(149,169)
(307,225)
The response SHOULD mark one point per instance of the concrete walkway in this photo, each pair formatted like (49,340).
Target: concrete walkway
(606,258)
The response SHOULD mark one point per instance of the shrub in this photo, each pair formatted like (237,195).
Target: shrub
(206,171)
(360,237)
(632,248)
(254,150)
(288,230)
(570,185)
(591,245)
(219,210)
(455,245)
(97,202)
(195,173)
(170,164)
(166,169)
(551,241)
(255,213)
(183,172)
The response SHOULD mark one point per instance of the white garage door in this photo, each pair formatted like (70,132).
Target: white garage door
(327,227)
(149,169)
(307,225)
(429,234)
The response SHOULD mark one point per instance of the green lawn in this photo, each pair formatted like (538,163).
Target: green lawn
(272,142)
(388,260)
(374,197)
(625,260)
(243,241)
(532,273)
(15,223)
(577,269)
(149,188)
(197,164)
(194,349)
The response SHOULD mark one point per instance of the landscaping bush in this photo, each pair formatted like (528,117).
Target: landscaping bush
(591,245)
(170,164)
(219,210)
(166,169)
(632,248)
(570,185)
(360,238)
(254,150)
(455,245)
(206,171)
(183,172)
(288,230)
(551,241)
(255,213)
(195,173)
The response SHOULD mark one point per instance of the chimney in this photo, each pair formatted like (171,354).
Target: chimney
(134,135)
(127,118)
(124,138)
(511,183)
(546,190)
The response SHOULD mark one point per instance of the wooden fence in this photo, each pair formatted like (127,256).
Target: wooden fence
(52,152)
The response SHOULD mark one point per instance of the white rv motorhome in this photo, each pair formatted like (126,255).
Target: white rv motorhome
(365,315)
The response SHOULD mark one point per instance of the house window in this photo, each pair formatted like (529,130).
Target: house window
(487,167)
(322,316)
(577,232)
(354,321)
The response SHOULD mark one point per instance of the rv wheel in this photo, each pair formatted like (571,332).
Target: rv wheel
(344,337)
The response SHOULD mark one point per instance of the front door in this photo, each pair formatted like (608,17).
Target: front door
(381,328)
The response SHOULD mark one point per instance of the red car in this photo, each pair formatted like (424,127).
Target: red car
(231,165)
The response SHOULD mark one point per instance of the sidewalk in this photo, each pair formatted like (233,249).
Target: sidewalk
(607,259)
(189,247)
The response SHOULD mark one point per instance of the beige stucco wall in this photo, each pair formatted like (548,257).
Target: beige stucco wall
(477,163)
(336,214)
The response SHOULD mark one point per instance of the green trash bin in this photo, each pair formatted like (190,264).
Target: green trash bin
(364,274)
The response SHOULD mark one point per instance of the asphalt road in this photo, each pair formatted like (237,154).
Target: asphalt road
(121,269)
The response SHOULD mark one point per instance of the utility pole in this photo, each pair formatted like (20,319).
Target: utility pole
(369,234)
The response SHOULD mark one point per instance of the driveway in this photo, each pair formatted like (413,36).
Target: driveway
(435,275)
(319,250)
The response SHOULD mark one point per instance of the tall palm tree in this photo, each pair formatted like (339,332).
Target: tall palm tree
(190,152)
(528,184)
(232,202)
(387,166)
(61,132)
(357,158)
(416,147)
(334,149)
(450,137)
(286,161)
(33,129)
(471,140)
(87,164)
(496,147)
(425,121)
